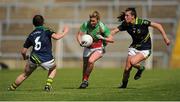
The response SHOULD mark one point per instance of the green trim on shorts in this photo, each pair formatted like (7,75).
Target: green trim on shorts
(36,59)
(149,54)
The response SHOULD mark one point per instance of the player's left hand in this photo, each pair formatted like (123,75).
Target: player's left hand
(82,43)
(26,57)
(65,29)
(167,41)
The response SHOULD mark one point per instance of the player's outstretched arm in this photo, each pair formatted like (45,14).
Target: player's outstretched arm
(108,39)
(160,28)
(114,31)
(59,35)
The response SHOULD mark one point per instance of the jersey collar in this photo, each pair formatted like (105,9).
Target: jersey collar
(136,22)
(39,27)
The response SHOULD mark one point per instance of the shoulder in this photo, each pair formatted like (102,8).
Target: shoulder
(48,29)
(123,23)
(123,26)
(143,21)
(102,25)
(85,24)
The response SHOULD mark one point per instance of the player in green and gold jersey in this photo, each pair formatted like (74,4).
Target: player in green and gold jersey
(140,48)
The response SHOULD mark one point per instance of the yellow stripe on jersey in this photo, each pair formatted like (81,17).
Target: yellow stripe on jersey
(147,37)
(36,59)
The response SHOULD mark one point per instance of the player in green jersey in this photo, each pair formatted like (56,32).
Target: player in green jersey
(101,36)
(140,49)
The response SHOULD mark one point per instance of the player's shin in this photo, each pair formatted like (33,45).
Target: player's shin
(126,76)
(49,81)
(48,85)
(13,87)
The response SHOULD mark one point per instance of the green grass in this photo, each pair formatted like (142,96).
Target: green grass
(155,85)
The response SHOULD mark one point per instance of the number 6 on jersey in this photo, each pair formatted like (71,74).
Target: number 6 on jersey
(37,44)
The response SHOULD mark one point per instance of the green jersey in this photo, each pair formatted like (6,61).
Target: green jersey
(100,28)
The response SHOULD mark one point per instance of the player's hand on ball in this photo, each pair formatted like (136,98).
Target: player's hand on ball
(82,43)
(86,40)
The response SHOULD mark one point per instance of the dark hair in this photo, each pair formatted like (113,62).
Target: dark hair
(122,15)
(133,11)
(95,14)
(38,20)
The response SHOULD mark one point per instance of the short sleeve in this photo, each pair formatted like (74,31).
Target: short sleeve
(146,22)
(122,26)
(27,43)
(50,31)
(105,29)
(83,27)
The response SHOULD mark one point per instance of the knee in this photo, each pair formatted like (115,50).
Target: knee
(90,61)
(127,69)
(132,62)
(25,75)
(54,66)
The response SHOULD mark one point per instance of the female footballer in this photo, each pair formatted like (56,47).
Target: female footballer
(101,35)
(41,55)
(140,48)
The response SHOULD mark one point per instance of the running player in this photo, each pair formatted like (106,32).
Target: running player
(41,54)
(101,35)
(140,49)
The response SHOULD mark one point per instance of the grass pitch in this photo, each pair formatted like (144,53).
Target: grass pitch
(155,85)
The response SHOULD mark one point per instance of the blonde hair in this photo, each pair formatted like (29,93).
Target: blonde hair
(95,14)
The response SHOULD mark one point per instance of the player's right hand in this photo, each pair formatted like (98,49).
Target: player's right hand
(167,41)
(82,43)
(26,57)
(65,29)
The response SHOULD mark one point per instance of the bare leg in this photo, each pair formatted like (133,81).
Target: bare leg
(92,59)
(52,72)
(135,60)
(19,80)
(85,65)
(51,75)
(88,66)
(126,73)
(135,63)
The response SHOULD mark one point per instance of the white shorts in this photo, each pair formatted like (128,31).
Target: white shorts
(88,51)
(46,65)
(133,51)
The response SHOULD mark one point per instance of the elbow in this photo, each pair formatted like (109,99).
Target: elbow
(23,51)
(111,41)
(55,38)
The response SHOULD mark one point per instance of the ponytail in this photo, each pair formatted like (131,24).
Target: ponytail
(121,17)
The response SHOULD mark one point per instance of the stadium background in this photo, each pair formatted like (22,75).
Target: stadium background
(16,24)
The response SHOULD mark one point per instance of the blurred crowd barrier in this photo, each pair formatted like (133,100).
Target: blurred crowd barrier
(16,24)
